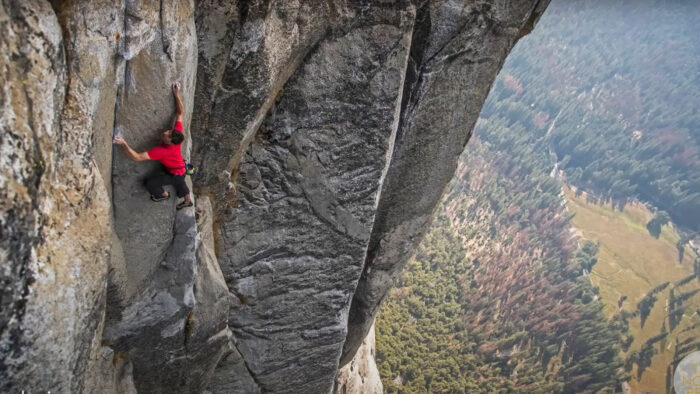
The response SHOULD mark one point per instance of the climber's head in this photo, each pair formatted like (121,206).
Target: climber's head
(176,137)
(172,137)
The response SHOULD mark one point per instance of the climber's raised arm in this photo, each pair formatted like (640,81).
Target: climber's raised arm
(133,155)
(179,108)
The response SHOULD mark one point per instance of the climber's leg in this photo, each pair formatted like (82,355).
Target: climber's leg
(180,185)
(155,184)
(182,191)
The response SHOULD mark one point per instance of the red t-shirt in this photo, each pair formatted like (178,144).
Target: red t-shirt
(169,155)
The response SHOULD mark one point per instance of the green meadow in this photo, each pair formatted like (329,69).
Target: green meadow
(630,263)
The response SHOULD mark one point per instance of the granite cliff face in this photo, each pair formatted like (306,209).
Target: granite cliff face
(360,375)
(324,133)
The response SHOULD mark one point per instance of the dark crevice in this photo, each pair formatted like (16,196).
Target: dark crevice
(189,328)
(165,40)
(121,90)
(39,165)
(247,367)
(243,10)
(56,5)
(115,301)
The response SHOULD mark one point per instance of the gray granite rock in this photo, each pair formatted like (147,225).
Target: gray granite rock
(152,307)
(159,47)
(54,210)
(360,375)
(292,247)
(208,337)
(247,51)
(232,374)
(153,330)
(176,331)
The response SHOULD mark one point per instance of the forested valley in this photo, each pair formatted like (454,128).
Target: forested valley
(503,294)
(615,86)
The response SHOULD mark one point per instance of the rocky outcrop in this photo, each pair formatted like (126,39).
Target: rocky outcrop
(247,51)
(207,336)
(458,48)
(159,47)
(324,133)
(360,375)
(77,72)
(54,243)
(308,187)
(153,329)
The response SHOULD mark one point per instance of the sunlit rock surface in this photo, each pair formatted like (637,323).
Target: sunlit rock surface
(324,133)
(360,375)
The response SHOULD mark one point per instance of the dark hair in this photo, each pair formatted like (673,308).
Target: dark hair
(176,137)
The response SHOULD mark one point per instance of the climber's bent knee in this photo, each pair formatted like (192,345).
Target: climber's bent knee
(154,184)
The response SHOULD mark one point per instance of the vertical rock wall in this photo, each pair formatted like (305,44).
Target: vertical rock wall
(360,375)
(54,213)
(294,243)
(247,51)
(324,132)
(157,318)
(458,48)
(158,48)
(75,208)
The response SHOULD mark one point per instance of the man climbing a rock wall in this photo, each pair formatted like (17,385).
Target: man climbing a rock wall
(168,154)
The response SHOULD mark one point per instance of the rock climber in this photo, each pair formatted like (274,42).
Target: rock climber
(167,153)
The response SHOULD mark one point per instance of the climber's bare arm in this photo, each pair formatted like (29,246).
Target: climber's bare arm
(132,154)
(179,108)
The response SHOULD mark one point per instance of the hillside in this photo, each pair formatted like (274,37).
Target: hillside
(615,86)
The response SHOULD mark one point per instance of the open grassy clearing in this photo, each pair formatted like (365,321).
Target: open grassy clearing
(631,262)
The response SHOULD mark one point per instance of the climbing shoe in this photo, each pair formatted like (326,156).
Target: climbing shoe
(161,198)
(184,204)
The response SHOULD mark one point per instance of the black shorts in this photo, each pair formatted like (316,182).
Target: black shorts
(155,184)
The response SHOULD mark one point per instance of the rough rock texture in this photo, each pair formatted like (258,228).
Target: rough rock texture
(176,332)
(458,48)
(208,337)
(54,221)
(112,374)
(159,48)
(295,241)
(75,73)
(247,51)
(232,375)
(360,375)
(168,307)
(324,132)
(153,328)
